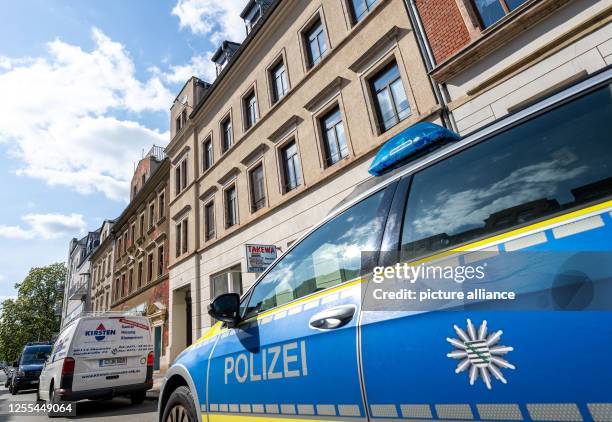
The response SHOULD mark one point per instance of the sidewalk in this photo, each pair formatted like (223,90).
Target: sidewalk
(153,393)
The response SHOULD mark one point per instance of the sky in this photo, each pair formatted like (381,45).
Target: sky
(85,89)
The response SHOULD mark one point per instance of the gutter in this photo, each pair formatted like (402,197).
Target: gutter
(439,90)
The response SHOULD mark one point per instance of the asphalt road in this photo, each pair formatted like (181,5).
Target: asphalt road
(118,409)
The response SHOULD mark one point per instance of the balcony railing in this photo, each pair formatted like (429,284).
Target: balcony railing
(79,289)
(156,152)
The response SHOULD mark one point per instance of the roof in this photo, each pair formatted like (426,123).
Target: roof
(250,5)
(267,13)
(247,8)
(225,46)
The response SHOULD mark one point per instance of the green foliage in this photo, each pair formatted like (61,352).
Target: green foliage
(31,316)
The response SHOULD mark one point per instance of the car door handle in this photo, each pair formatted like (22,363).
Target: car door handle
(332,318)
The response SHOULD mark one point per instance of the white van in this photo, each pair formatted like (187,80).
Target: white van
(100,356)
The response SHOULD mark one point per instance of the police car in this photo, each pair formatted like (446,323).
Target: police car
(534,188)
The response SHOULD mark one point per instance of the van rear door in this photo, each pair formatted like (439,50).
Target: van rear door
(110,352)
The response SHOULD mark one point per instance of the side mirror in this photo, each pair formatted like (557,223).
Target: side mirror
(226,308)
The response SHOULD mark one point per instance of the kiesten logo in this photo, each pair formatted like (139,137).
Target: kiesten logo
(100,333)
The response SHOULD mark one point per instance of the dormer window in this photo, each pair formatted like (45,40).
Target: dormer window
(252,13)
(221,65)
(252,17)
(224,54)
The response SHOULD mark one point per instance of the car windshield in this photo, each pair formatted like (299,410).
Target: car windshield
(34,356)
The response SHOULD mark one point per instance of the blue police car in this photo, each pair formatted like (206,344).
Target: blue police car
(530,195)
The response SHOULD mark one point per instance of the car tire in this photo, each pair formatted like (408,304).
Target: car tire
(139,397)
(52,400)
(180,406)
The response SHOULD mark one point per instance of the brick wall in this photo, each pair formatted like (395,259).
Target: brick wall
(444,26)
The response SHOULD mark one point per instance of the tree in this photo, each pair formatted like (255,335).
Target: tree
(31,316)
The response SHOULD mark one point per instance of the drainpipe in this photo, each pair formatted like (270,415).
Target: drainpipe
(440,91)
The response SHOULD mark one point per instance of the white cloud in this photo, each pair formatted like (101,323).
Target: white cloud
(218,19)
(45,226)
(57,114)
(199,65)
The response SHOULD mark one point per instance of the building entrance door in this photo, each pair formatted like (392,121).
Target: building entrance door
(157,341)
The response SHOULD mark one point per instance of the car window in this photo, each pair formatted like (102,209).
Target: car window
(34,356)
(327,257)
(550,163)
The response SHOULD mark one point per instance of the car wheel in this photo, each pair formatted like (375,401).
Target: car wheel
(52,400)
(180,407)
(138,398)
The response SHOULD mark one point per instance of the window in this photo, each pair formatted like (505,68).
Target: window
(316,43)
(360,8)
(143,179)
(150,268)
(125,239)
(325,258)
(133,233)
(130,280)
(231,211)
(229,281)
(258,192)
(117,292)
(250,109)
(162,205)
(181,121)
(490,11)
(333,136)
(142,224)
(209,220)
(291,166)
(391,103)
(180,176)
(181,238)
(551,163)
(252,17)
(151,214)
(140,280)
(226,134)
(160,261)
(207,154)
(123,285)
(280,84)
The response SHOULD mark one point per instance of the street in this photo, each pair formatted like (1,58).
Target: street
(118,409)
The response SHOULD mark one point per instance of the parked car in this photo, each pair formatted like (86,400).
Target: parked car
(28,367)
(309,341)
(97,357)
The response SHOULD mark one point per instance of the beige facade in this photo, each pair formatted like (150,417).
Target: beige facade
(102,269)
(203,263)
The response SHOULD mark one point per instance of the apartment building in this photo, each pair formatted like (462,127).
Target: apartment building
(494,57)
(283,134)
(77,287)
(102,269)
(140,235)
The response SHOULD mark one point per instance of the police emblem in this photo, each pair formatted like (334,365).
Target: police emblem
(479,353)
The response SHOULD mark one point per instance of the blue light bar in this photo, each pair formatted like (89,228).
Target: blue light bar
(413,142)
